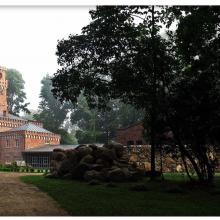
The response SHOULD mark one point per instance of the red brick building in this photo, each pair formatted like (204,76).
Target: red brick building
(131,135)
(17,134)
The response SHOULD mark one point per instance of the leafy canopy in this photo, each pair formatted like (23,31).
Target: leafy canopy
(15,93)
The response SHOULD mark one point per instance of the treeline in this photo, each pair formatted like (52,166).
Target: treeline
(75,123)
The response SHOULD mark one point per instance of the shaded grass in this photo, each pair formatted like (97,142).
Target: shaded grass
(172,197)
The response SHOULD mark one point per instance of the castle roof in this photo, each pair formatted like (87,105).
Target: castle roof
(30,127)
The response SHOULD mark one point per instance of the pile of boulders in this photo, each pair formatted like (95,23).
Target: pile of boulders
(91,162)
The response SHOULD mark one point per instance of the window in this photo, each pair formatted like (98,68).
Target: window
(47,140)
(130,142)
(139,142)
(17,143)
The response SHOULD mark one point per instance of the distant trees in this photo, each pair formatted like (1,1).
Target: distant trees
(175,78)
(15,93)
(52,112)
(95,125)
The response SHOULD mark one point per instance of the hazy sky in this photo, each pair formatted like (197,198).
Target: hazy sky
(29,37)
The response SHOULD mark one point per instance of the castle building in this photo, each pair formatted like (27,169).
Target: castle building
(17,134)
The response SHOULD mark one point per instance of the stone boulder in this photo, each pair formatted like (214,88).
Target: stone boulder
(66,166)
(93,163)
(79,170)
(72,156)
(87,159)
(118,148)
(83,150)
(116,175)
(58,156)
(93,175)
(107,154)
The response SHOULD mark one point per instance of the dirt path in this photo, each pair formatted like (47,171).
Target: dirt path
(20,199)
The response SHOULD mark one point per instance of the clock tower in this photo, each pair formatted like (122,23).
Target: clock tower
(3,92)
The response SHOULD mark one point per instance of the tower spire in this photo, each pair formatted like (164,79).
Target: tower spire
(3,91)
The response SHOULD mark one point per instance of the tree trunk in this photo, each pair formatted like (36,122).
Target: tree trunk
(153,111)
(185,165)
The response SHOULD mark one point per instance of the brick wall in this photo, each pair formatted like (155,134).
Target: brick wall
(3,89)
(12,143)
(130,134)
(35,139)
(11,146)
(7,123)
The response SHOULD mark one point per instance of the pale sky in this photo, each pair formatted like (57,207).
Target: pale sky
(29,37)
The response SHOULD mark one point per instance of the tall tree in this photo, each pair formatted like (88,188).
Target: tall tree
(52,112)
(15,93)
(119,55)
(194,99)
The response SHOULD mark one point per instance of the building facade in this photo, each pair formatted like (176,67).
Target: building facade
(18,134)
(131,135)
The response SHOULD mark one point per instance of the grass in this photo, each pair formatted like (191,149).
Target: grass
(172,197)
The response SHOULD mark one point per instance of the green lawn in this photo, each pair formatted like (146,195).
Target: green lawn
(172,197)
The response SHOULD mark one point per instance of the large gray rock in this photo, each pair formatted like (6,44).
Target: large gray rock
(72,156)
(58,155)
(105,163)
(55,165)
(117,175)
(93,175)
(87,159)
(107,154)
(83,151)
(97,167)
(66,167)
(79,170)
(118,148)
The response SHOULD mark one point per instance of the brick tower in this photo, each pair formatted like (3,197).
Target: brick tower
(3,92)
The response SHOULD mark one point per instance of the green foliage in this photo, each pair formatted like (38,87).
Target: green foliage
(66,138)
(99,60)
(175,79)
(194,96)
(15,92)
(117,57)
(52,112)
(96,125)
